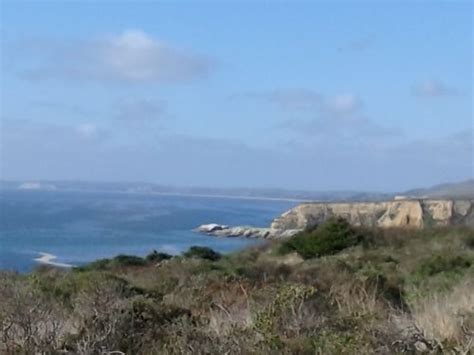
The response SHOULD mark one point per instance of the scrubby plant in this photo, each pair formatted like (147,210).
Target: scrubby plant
(444,263)
(403,291)
(156,257)
(116,262)
(328,238)
(469,240)
(289,299)
(202,253)
(128,260)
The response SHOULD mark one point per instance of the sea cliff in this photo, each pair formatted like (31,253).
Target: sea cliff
(408,213)
(397,213)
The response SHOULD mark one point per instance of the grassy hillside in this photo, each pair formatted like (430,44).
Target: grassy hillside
(331,290)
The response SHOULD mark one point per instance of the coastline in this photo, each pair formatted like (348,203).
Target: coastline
(177,194)
(47,259)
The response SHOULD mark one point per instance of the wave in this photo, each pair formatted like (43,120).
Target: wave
(47,259)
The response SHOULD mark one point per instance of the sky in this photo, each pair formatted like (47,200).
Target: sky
(373,96)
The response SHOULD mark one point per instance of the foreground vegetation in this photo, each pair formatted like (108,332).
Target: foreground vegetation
(334,289)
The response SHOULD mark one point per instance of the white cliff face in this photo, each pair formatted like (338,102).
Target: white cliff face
(462,207)
(399,213)
(441,211)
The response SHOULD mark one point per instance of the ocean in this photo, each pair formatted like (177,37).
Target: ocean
(73,228)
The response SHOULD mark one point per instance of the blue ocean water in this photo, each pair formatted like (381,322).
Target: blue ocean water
(79,227)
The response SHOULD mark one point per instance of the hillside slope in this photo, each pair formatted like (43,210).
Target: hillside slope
(459,190)
(336,290)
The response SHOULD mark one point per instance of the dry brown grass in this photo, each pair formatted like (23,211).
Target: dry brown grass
(355,298)
(447,317)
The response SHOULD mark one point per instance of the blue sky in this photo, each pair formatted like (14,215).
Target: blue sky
(315,95)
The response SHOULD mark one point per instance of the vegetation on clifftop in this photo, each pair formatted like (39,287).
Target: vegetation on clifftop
(326,239)
(349,290)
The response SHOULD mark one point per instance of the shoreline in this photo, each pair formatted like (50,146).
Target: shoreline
(47,259)
(260,198)
(177,194)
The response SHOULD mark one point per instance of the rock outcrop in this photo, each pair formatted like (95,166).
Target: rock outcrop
(397,213)
(219,230)
(408,213)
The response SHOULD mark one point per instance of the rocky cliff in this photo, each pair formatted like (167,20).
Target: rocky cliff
(409,213)
(398,213)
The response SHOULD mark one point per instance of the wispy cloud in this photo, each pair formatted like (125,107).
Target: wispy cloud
(434,89)
(296,99)
(322,115)
(454,149)
(36,133)
(343,104)
(89,131)
(132,56)
(361,44)
(63,108)
(342,127)
(288,99)
(140,110)
(47,149)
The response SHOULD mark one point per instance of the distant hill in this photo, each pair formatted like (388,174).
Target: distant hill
(151,188)
(453,190)
(464,189)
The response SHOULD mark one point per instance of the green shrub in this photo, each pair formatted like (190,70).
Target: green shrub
(128,260)
(438,263)
(202,253)
(469,240)
(156,257)
(328,238)
(118,261)
(101,264)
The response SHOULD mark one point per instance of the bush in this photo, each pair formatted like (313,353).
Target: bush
(437,264)
(101,264)
(329,238)
(118,261)
(469,240)
(156,257)
(202,253)
(128,260)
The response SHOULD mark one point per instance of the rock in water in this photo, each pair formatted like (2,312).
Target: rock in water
(211,227)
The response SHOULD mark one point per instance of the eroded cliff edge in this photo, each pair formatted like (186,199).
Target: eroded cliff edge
(409,213)
(397,213)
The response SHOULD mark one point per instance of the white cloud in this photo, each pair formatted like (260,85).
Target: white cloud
(432,89)
(343,104)
(132,56)
(88,131)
